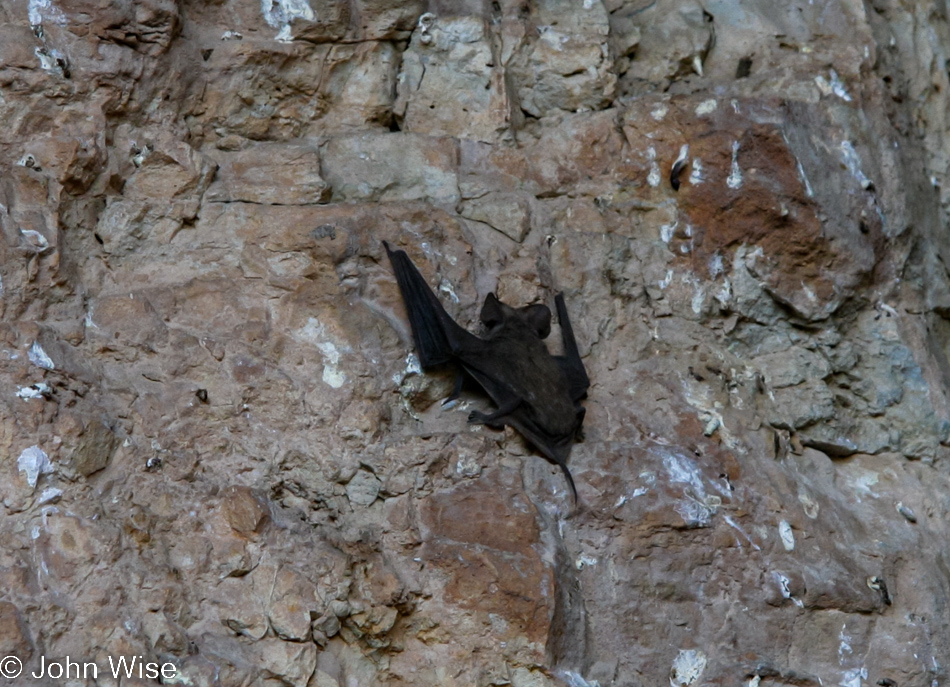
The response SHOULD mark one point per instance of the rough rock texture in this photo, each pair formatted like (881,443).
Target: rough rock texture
(217,450)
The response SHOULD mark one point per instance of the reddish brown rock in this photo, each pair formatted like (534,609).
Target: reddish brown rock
(15,637)
(244,510)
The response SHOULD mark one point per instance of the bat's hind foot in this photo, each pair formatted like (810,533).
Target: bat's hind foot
(479,418)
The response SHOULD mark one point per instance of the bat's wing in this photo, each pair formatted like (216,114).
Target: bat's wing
(571,362)
(438,338)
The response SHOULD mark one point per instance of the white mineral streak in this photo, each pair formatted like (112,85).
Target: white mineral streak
(734,180)
(39,358)
(653,178)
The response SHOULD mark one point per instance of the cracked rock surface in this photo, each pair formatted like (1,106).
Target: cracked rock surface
(218,451)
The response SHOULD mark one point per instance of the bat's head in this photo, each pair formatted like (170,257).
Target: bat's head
(496,314)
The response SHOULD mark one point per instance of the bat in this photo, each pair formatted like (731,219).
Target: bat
(535,392)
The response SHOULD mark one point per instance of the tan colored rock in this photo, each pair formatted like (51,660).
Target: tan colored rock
(672,40)
(387,19)
(451,82)
(392,167)
(274,174)
(582,151)
(360,88)
(66,544)
(508,213)
(318,89)
(15,637)
(169,169)
(566,64)
(126,319)
(245,511)
(149,27)
(88,446)
(250,84)
(299,21)
(768,423)
(485,549)
(245,613)
(363,488)
(293,601)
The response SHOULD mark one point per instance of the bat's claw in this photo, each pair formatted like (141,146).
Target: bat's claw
(476,418)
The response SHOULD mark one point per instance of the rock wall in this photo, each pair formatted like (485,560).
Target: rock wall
(219,452)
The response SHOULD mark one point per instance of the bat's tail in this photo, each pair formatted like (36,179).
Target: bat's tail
(561,452)
(570,480)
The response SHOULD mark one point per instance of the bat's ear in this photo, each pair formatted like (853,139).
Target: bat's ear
(539,318)
(493,313)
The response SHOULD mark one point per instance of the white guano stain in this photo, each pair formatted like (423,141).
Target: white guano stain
(734,525)
(553,38)
(659,112)
(696,174)
(837,86)
(809,505)
(684,153)
(34,462)
(861,481)
(734,179)
(706,107)
(50,60)
(698,64)
(809,294)
(724,294)
(666,280)
(574,679)
(331,359)
(37,241)
(316,334)
(786,535)
(667,231)
(585,561)
(49,495)
(43,10)
(804,178)
(851,160)
(35,391)
(853,677)
(698,299)
(696,508)
(653,178)
(38,357)
(844,646)
(446,288)
(783,583)
(832,85)
(282,13)
(687,668)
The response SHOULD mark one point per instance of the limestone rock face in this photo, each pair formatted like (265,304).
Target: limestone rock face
(218,449)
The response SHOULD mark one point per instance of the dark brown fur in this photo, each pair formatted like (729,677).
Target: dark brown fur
(536,393)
